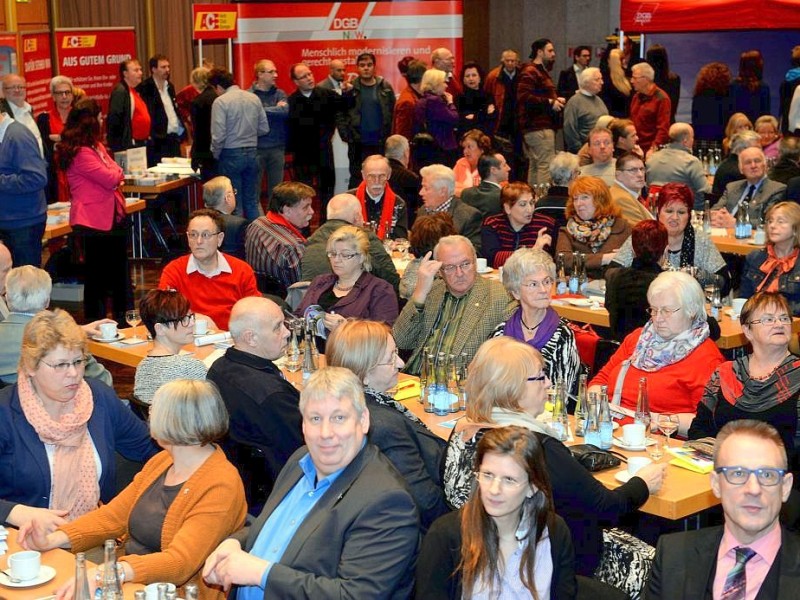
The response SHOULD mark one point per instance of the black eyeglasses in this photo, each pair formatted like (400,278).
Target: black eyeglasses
(185,321)
(541,377)
(767,477)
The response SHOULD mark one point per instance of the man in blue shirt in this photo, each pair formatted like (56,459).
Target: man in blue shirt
(339,522)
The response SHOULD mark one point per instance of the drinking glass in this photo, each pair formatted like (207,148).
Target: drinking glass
(133,318)
(656,450)
(669,425)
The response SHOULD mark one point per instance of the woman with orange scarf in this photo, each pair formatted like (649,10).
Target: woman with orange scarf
(61,432)
(775,268)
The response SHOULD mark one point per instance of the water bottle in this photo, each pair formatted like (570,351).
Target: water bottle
(162,591)
(561,275)
(740,231)
(560,419)
(428,389)
(583,280)
(81,578)
(110,588)
(441,399)
(592,428)
(707,217)
(309,362)
(423,375)
(606,425)
(191,591)
(581,407)
(748,225)
(574,281)
(642,414)
(293,362)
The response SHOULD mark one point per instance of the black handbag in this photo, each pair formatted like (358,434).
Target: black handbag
(595,459)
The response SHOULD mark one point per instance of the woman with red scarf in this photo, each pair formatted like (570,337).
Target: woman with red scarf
(764,385)
(775,268)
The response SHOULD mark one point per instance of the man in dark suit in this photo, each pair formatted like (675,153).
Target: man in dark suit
(218,193)
(493,170)
(568,78)
(201,132)
(340,521)
(264,419)
(403,180)
(759,192)
(166,127)
(751,551)
(438,186)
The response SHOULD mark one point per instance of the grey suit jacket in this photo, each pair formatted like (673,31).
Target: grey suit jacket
(360,540)
(485,198)
(768,194)
(488,304)
(686,562)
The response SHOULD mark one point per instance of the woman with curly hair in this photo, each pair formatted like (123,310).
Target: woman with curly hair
(97,214)
(749,93)
(594,226)
(711,102)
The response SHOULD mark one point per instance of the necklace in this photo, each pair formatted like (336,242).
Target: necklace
(526,326)
(768,375)
(342,288)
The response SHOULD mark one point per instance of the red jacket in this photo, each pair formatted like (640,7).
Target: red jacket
(651,113)
(673,389)
(534,92)
(93,179)
(497,90)
(404,113)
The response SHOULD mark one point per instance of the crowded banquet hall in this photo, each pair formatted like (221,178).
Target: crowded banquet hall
(476,299)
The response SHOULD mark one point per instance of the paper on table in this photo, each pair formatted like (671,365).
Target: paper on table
(409,390)
(206,340)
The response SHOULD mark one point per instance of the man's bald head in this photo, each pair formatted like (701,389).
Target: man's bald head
(256,326)
(347,208)
(337,69)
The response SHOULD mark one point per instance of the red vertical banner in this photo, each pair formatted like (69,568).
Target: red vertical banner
(91,58)
(8,54)
(36,68)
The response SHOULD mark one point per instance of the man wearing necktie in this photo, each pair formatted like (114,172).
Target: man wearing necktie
(751,557)
(755,189)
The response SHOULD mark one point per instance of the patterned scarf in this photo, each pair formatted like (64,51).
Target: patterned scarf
(75,487)
(653,353)
(593,233)
(757,395)
(773,267)
(387,400)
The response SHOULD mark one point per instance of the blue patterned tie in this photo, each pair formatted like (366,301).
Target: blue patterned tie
(736,581)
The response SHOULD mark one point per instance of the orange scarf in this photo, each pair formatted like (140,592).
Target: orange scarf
(387,211)
(773,267)
(75,487)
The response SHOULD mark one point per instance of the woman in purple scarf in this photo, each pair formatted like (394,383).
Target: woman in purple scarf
(528,276)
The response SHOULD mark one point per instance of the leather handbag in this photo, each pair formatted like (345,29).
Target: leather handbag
(595,459)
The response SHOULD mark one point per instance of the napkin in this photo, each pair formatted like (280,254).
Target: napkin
(407,389)
(206,340)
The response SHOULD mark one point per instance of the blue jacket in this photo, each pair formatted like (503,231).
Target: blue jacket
(23,177)
(276,115)
(24,468)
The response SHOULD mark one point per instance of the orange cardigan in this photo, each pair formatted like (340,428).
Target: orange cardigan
(209,507)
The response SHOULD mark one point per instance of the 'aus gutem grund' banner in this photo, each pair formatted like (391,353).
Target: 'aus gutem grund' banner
(91,58)
(316,33)
(37,68)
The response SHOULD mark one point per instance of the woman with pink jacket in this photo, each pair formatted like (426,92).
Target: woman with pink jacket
(97,214)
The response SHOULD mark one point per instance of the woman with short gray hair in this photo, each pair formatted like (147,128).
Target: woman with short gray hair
(528,276)
(51,124)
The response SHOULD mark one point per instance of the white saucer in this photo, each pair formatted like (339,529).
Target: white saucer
(623,476)
(45,574)
(755,243)
(579,301)
(485,271)
(620,444)
(120,336)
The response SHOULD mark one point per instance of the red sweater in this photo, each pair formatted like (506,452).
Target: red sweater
(673,389)
(651,113)
(211,296)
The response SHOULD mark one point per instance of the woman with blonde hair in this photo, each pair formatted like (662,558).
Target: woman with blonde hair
(767,127)
(507,385)
(507,540)
(350,290)
(367,348)
(775,267)
(594,226)
(185,501)
(435,114)
(737,123)
(617,87)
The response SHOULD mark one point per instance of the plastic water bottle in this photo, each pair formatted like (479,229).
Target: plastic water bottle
(604,418)
(561,275)
(642,414)
(592,428)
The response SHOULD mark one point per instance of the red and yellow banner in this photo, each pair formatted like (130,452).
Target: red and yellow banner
(37,68)
(214,21)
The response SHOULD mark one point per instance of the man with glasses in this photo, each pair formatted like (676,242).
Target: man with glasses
(15,106)
(627,188)
(128,122)
(211,281)
(218,193)
(751,552)
(675,163)
(453,313)
(271,150)
(379,203)
(264,418)
(601,149)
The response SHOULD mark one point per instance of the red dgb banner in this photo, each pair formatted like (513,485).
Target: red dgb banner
(704,15)
(37,69)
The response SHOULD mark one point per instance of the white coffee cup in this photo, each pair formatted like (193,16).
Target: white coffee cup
(760,237)
(108,331)
(636,463)
(200,327)
(151,591)
(25,565)
(482,265)
(633,434)
(738,305)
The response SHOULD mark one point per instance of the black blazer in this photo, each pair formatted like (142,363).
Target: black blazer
(686,563)
(155,106)
(359,541)
(484,197)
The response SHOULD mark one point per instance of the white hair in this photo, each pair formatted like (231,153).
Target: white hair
(687,290)
(441,177)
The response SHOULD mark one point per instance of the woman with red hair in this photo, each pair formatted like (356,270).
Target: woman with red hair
(711,102)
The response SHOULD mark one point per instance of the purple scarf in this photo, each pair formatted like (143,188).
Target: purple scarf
(544,332)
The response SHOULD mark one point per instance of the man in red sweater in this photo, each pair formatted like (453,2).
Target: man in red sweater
(650,109)
(212,281)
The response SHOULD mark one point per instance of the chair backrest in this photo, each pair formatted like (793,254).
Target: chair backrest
(604,350)
(295,293)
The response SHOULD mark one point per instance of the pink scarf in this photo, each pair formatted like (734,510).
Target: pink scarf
(75,487)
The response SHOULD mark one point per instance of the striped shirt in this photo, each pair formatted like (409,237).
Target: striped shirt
(274,249)
(499,240)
